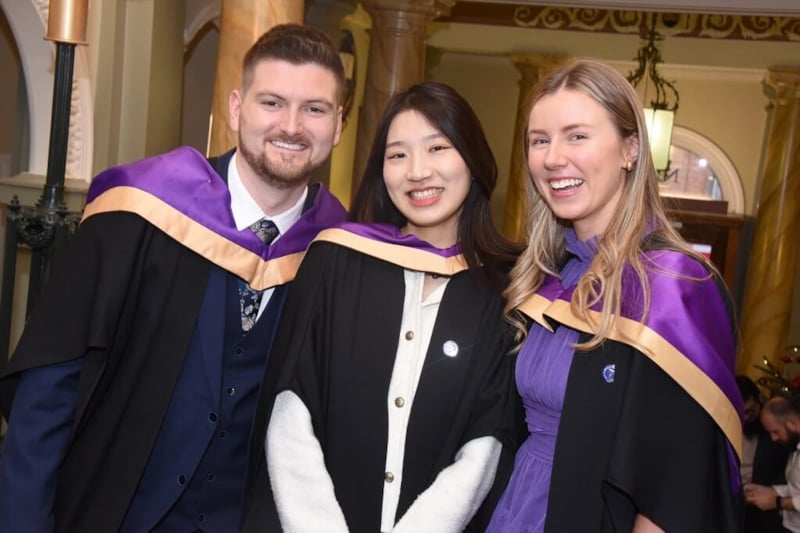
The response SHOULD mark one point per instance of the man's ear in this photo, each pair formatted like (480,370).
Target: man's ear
(338,134)
(793,423)
(234,107)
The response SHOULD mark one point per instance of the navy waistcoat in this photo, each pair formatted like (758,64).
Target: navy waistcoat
(196,474)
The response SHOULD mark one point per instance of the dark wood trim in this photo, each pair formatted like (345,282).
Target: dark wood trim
(718,230)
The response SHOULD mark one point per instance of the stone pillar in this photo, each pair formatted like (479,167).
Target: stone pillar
(773,254)
(396,61)
(532,67)
(241,23)
(340,183)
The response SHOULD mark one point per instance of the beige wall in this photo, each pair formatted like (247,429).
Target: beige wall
(493,95)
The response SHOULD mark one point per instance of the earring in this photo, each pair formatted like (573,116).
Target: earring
(628,166)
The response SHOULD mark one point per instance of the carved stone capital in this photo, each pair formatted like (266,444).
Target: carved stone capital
(782,85)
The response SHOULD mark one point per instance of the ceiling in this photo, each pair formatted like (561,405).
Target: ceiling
(692,39)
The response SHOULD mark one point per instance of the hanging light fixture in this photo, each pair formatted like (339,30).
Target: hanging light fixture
(660,115)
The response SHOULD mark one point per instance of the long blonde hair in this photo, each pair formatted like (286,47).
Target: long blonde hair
(639,212)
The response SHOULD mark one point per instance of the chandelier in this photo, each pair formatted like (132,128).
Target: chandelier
(660,115)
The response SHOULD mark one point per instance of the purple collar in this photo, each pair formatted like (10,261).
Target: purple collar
(184,180)
(391,234)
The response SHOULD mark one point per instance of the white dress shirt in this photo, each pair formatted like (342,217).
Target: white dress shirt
(791,519)
(246,212)
(749,445)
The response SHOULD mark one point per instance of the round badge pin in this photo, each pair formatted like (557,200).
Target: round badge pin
(450,348)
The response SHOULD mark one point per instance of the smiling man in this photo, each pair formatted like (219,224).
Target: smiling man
(138,375)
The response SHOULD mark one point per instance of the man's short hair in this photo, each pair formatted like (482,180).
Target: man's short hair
(782,408)
(296,44)
(748,389)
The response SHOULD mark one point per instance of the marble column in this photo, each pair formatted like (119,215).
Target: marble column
(241,23)
(532,67)
(357,24)
(396,61)
(773,254)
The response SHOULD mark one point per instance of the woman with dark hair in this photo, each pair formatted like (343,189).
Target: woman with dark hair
(399,400)
(627,341)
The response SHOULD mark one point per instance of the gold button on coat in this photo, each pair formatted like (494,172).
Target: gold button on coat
(409,335)
(389,477)
(399,401)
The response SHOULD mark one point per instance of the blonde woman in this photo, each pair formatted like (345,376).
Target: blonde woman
(626,363)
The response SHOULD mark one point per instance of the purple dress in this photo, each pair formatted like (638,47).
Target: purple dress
(542,368)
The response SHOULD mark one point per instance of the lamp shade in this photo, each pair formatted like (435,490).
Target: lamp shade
(66,21)
(659,133)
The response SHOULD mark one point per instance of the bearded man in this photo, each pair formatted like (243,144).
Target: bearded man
(781,420)
(763,461)
(139,371)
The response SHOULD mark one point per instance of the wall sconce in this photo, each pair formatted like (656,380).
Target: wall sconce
(660,116)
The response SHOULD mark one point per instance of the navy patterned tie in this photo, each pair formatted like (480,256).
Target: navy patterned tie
(250,299)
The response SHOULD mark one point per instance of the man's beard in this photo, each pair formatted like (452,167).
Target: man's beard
(792,440)
(281,175)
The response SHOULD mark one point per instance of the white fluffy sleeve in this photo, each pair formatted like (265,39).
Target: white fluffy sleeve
(301,485)
(455,495)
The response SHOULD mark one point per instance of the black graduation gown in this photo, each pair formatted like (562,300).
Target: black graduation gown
(339,332)
(644,429)
(134,284)
(637,445)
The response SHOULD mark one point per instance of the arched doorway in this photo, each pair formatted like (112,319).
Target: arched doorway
(701,170)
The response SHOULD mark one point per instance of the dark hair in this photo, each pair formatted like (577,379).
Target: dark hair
(448,112)
(298,45)
(747,388)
